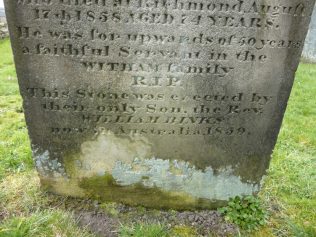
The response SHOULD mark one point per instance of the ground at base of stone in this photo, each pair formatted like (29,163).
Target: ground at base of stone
(107,219)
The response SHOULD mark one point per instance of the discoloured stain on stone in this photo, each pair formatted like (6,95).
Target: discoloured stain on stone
(130,165)
(129,162)
(184,178)
(100,155)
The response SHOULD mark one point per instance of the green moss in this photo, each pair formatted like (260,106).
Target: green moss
(105,188)
(145,178)
(183,231)
(69,162)
(110,208)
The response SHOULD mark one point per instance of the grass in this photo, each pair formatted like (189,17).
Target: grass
(291,183)
(42,224)
(289,192)
(156,230)
(15,154)
(151,230)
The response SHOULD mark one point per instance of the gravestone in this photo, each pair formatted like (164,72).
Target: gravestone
(162,103)
(309,51)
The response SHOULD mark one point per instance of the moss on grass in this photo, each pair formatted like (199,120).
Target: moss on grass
(183,231)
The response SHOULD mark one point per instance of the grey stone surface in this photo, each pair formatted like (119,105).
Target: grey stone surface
(309,51)
(164,103)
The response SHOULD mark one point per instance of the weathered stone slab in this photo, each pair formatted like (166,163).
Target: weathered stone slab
(164,103)
(309,51)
